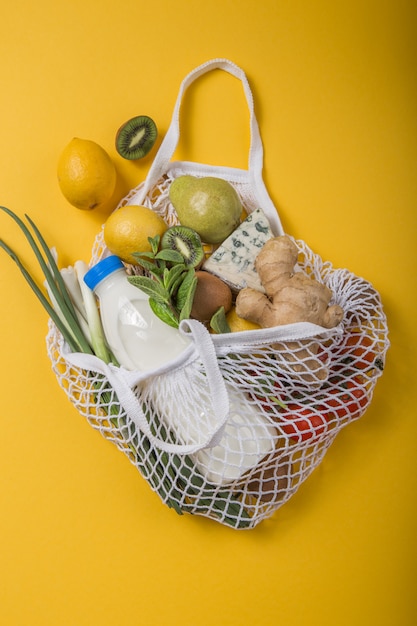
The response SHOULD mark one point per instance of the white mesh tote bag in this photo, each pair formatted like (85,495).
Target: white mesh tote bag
(234,425)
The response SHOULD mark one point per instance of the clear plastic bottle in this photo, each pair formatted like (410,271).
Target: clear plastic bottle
(137,337)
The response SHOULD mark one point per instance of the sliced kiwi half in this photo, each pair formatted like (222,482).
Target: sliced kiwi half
(185,241)
(136,137)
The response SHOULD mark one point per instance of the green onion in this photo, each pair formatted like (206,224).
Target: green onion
(70,278)
(65,330)
(93,317)
(70,329)
(168,475)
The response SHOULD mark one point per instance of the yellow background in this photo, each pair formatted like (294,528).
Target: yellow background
(83,540)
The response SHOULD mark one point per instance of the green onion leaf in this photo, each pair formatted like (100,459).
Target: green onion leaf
(66,331)
(52,263)
(57,286)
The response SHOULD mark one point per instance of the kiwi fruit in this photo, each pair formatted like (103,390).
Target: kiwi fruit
(136,137)
(211,293)
(185,241)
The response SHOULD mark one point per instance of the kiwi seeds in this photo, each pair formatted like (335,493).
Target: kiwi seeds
(136,137)
(185,241)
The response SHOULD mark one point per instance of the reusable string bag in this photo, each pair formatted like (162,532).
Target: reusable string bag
(231,428)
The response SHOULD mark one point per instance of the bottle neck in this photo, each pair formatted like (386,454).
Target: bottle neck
(116,277)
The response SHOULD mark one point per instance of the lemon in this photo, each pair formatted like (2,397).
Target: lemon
(237,323)
(127,230)
(86,174)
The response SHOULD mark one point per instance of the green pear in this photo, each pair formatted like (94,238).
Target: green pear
(208,205)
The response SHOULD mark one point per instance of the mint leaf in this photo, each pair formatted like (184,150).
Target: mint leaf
(151,287)
(185,287)
(173,277)
(154,242)
(189,298)
(218,321)
(143,262)
(172,256)
(164,312)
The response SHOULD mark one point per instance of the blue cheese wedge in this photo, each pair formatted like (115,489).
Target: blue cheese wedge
(234,259)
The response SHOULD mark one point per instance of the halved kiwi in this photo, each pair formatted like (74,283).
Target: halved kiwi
(136,137)
(186,241)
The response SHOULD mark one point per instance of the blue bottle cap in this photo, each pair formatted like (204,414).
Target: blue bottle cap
(102,269)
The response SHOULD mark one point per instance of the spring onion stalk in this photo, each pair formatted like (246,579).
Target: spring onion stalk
(74,336)
(170,477)
(81,321)
(70,278)
(66,330)
(71,283)
(98,340)
(49,267)
(73,288)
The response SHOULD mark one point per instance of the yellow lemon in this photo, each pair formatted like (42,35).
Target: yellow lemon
(127,230)
(237,323)
(86,174)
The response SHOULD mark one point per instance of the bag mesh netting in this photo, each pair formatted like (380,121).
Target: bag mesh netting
(234,426)
(290,391)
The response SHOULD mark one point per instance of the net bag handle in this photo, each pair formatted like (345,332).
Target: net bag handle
(255,161)
(123,382)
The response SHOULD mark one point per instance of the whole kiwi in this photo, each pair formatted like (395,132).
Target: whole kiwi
(211,293)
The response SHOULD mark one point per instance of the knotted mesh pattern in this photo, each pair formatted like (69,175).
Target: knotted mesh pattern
(288,401)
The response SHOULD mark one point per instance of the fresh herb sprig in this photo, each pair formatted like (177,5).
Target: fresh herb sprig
(169,283)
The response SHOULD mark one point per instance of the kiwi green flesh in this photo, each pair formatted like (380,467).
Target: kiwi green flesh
(136,137)
(186,241)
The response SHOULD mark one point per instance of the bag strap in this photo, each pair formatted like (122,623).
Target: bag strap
(123,381)
(255,160)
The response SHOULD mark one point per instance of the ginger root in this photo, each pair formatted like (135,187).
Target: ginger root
(289,297)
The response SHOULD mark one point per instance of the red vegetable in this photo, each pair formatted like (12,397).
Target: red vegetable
(344,397)
(359,352)
(302,422)
(349,400)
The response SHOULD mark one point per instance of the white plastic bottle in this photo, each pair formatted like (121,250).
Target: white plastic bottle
(247,437)
(140,340)
(137,337)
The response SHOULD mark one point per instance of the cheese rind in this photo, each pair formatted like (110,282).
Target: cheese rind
(234,259)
